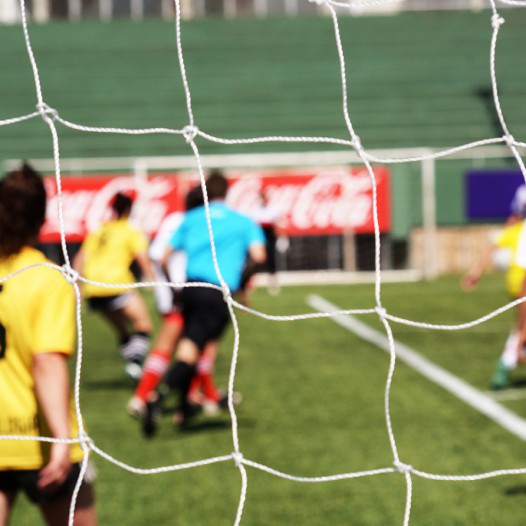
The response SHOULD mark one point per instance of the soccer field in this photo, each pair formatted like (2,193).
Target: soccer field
(314,406)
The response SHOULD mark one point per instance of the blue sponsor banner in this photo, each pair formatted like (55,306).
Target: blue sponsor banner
(489,192)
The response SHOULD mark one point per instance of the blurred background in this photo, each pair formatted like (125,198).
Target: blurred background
(417,80)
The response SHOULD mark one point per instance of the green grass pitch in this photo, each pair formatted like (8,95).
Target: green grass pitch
(313,406)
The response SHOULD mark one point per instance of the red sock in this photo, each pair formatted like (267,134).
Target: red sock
(209,388)
(205,370)
(154,369)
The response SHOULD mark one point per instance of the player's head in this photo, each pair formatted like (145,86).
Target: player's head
(22,209)
(194,198)
(121,204)
(216,185)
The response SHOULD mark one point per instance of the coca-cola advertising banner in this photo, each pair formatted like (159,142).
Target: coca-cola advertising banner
(308,201)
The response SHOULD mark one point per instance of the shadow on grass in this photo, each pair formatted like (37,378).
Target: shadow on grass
(518,383)
(516,490)
(109,384)
(206,425)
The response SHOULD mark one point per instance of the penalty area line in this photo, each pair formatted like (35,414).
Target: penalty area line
(467,393)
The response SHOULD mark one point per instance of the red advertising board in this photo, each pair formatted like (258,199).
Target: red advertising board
(310,201)
(318,201)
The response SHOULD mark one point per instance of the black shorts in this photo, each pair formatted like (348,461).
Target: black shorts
(26,480)
(205,314)
(107,303)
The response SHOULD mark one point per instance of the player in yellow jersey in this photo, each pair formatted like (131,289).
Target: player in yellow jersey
(503,252)
(37,335)
(106,257)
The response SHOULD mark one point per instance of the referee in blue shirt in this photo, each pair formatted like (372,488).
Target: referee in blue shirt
(205,310)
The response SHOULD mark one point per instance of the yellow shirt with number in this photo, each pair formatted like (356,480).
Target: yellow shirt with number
(109,252)
(37,315)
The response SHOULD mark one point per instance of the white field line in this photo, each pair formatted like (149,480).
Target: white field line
(465,392)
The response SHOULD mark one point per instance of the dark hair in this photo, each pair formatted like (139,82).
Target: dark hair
(216,185)
(121,204)
(22,209)
(194,198)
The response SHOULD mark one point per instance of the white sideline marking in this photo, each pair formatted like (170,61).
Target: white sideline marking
(462,390)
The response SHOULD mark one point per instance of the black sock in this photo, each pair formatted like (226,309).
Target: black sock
(179,377)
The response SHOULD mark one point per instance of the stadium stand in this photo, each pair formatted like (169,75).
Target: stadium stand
(416,89)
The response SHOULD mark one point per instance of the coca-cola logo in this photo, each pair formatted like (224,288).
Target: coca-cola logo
(327,201)
(85,203)
(307,202)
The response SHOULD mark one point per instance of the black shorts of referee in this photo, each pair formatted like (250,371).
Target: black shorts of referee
(205,314)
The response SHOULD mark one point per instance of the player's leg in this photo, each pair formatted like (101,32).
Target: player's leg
(134,309)
(110,309)
(205,316)
(271,264)
(119,323)
(178,378)
(211,399)
(157,362)
(56,511)
(203,386)
(7,500)
(507,362)
(181,373)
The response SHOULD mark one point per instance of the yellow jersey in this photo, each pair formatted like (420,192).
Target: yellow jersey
(108,254)
(509,239)
(37,315)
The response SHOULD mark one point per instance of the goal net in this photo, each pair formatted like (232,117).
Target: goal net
(367,160)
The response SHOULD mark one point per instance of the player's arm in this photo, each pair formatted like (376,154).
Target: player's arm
(164,259)
(79,260)
(472,277)
(145,265)
(256,243)
(50,373)
(174,243)
(257,252)
(521,323)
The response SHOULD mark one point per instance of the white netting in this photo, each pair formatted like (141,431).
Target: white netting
(190,132)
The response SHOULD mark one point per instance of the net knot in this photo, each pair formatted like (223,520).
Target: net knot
(403,468)
(86,440)
(497,21)
(47,112)
(227,295)
(357,143)
(238,458)
(381,312)
(71,275)
(509,140)
(189,133)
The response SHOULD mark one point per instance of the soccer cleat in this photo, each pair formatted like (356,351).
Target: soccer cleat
(213,407)
(150,418)
(136,407)
(500,378)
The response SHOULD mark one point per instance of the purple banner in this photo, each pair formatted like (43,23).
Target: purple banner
(489,192)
